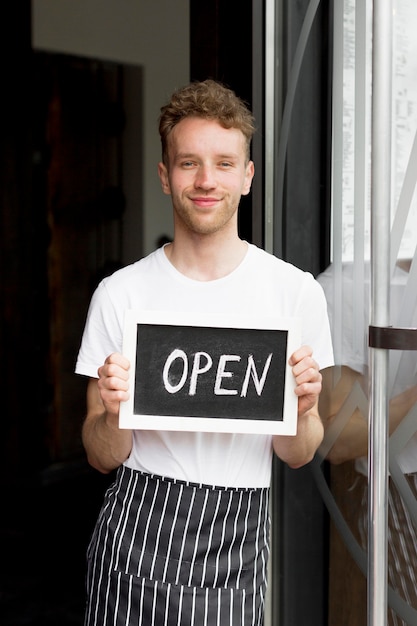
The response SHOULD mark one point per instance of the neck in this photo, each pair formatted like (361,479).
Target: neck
(204,259)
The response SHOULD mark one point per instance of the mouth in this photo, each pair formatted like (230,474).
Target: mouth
(205,202)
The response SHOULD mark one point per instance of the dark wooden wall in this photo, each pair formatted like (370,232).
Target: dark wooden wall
(23,249)
(62,203)
(59,198)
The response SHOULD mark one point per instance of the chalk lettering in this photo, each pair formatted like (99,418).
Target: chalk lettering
(203,362)
(175,354)
(221,373)
(199,370)
(251,370)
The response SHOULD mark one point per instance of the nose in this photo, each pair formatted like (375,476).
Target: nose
(205,178)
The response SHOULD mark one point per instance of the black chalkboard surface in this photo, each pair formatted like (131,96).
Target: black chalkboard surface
(209,373)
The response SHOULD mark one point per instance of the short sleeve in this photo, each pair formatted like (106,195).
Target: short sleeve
(103,333)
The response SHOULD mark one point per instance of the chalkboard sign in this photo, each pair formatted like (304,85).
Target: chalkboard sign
(210,373)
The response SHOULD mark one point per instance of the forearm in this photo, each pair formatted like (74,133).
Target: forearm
(298,450)
(107,446)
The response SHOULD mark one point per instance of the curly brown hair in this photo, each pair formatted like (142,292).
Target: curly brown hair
(210,100)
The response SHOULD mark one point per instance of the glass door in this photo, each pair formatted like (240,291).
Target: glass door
(349,282)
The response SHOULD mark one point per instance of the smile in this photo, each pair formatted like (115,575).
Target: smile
(205,202)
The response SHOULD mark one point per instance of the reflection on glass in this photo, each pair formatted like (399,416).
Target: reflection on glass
(344,401)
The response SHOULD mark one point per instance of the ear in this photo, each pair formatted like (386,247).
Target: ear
(163,177)
(250,171)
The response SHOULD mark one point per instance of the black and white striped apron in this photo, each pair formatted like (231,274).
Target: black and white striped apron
(166,552)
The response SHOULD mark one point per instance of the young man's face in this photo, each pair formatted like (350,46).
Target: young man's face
(206,175)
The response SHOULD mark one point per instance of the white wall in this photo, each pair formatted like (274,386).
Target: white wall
(153,34)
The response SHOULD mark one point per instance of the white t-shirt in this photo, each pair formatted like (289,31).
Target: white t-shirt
(261,285)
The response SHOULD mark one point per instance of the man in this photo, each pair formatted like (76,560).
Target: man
(183,535)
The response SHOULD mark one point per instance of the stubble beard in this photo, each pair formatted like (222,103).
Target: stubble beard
(199,224)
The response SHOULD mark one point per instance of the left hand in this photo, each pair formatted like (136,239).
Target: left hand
(307,378)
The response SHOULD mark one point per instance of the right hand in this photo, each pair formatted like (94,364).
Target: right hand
(113,382)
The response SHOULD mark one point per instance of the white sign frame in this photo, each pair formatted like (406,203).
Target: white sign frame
(287,426)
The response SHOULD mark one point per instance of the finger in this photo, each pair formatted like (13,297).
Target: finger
(309,375)
(118,359)
(113,390)
(113,383)
(116,365)
(306,367)
(112,372)
(113,396)
(300,354)
(308,389)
